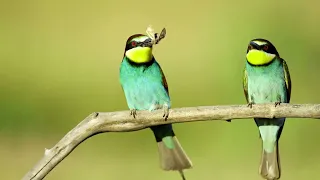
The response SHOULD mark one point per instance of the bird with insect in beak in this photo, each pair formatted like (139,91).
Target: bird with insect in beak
(145,88)
(267,80)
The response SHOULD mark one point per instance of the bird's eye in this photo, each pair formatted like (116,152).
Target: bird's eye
(250,47)
(133,44)
(265,47)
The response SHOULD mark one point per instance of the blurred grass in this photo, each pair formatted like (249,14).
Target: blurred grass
(59,61)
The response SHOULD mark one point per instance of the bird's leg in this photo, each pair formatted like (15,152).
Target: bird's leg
(277,103)
(165,111)
(133,112)
(250,104)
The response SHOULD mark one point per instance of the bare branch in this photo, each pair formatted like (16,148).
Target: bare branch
(121,122)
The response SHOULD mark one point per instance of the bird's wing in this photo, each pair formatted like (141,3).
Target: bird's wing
(245,84)
(287,78)
(164,81)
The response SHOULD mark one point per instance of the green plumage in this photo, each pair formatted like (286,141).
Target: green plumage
(268,83)
(145,88)
(143,85)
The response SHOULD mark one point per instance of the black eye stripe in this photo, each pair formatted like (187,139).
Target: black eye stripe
(264,47)
(268,48)
(145,43)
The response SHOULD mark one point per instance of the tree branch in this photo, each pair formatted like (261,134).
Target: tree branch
(120,121)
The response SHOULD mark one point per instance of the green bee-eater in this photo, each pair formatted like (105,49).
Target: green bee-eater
(266,80)
(145,88)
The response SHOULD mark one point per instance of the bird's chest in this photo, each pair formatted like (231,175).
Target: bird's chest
(142,86)
(266,85)
(144,91)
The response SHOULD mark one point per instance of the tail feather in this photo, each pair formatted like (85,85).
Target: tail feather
(270,164)
(173,158)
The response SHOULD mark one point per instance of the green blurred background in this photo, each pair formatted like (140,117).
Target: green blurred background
(60,62)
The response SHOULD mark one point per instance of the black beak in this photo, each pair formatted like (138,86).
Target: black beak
(146,43)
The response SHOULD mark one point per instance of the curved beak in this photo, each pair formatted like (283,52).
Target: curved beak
(146,43)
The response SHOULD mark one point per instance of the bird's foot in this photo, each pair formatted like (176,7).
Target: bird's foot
(165,112)
(133,112)
(250,104)
(277,103)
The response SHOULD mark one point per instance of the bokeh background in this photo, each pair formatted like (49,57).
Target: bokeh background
(60,62)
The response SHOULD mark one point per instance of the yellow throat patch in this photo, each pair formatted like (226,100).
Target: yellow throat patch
(257,57)
(140,54)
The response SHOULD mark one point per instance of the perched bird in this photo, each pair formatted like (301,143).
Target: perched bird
(267,80)
(145,88)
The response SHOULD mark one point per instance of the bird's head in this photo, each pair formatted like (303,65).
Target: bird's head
(261,52)
(139,48)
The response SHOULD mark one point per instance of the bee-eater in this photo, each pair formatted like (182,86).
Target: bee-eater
(267,80)
(145,88)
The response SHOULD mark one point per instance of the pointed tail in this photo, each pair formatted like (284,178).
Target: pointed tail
(172,155)
(270,164)
(270,160)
